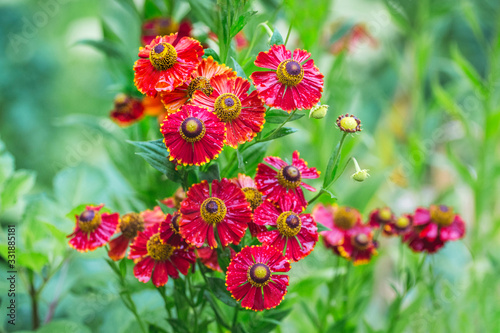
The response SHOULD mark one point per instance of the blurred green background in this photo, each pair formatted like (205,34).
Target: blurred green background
(423,77)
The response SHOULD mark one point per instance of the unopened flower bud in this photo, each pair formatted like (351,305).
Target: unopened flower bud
(360,174)
(349,123)
(318,111)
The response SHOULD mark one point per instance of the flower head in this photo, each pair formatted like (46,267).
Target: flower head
(285,181)
(162,26)
(158,260)
(433,227)
(254,198)
(242,112)
(130,224)
(251,277)
(318,111)
(200,80)
(127,110)
(358,245)
(93,229)
(209,257)
(169,230)
(223,209)
(193,135)
(166,63)
(293,233)
(349,123)
(293,82)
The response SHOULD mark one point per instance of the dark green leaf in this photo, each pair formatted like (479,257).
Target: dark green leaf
(178,325)
(241,22)
(107,47)
(219,289)
(253,156)
(241,164)
(165,209)
(215,308)
(212,172)
(283,131)
(156,154)
(280,116)
(238,69)
(276,38)
(211,52)
(152,9)
(322,228)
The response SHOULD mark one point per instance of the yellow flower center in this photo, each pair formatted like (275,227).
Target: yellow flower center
(213,210)
(402,222)
(361,241)
(200,83)
(89,220)
(227,107)
(289,224)
(289,177)
(442,215)
(130,224)
(157,250)
(163,56)
(345,217)
(349,123)
(253,196)
(385,214)
(259,275)
(192,129)
(290,73)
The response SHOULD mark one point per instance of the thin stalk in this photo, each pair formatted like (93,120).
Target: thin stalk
(288,33)
(34,301)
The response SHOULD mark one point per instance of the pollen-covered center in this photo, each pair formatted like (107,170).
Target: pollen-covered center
(402,222)
(163,56)
(174,223)
(349,123)
(259,275)
(200,83)
(289,177)
(89,220)
(384,215)
(345,217)
(290,73)
(361,241)
(289,224)
(130,224)
(442,215)
(227,107)
(157,250)
(253,196)
(192,129)
(213,210)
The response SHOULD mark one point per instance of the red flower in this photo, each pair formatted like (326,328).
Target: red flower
(399,226)
(130,224)
(224,210)
(169,230)
(382,218)
(193,135)
(351,40)
(433,227)
(166,63)
(286,181)
(254,198)
(209,258)
(93,229)
(358,245)
(251,277)
(339,220)
(161,26)
(159,260)
(127,111)
(292,84)
(199,80)
(242,112)
(154,216)
(295,235)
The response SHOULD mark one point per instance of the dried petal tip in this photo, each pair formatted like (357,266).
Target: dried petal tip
(318,111)
(349,123)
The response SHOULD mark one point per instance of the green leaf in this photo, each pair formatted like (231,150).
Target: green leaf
(224,257)
(397,15)
(6,166)
(211,53)
(283,131)
(238,69)
(123,267)
(212,172)
(64,326)
(219,289)
(178,325)
(460,167)
(16,186)
(468,70)
(107,47)
(241,164)
(449,105)
(152,328)
(215,308)
(152,9)
(204,11)
(322,228)
(165,209)
(32,260)
(333,163)
(276,38)
(253,156)
(279,116)
(241,22)
(156,154)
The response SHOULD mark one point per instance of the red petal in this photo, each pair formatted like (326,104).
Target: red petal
(160,275)
(273,57)
(143,269)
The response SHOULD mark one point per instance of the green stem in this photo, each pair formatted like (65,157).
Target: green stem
(283,123)
(288,33)
(235,318)
(163,294)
